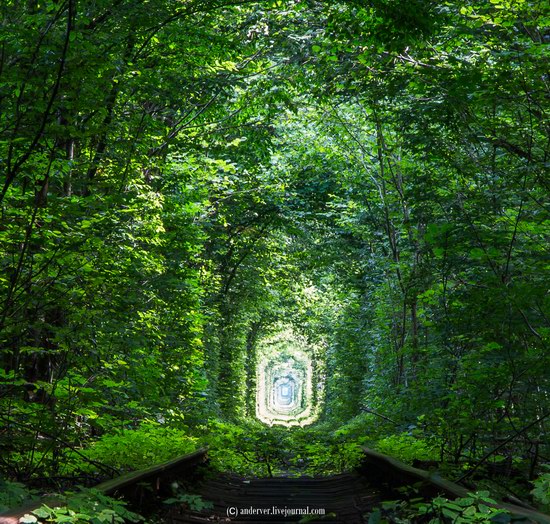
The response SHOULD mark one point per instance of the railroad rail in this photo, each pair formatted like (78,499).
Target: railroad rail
(344,498)
(133,486)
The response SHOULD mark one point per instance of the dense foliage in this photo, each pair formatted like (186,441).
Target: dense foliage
(181,180)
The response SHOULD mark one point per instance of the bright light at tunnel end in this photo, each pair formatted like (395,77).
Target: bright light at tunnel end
(285,381)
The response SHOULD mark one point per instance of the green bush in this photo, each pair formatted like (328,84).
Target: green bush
(541,492)
(140,448)
(250,448)
(407,448)
(476,508)
(85,506)
(13,494)
(332,456)
(191,501)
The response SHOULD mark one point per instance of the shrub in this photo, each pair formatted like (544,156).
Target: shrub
(85,506)
(13,494)
(541,492)
(139,448)
(407,448)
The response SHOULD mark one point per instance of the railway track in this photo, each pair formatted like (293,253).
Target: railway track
(346,498)
(338,498)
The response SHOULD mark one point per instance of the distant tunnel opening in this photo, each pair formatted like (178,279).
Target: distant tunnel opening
(289,383)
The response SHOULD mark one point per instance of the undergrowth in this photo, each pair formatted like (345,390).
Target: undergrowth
(250,448)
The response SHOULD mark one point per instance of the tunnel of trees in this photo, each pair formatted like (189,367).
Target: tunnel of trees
(284,228)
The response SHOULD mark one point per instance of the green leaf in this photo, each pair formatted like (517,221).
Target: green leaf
(28,519)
